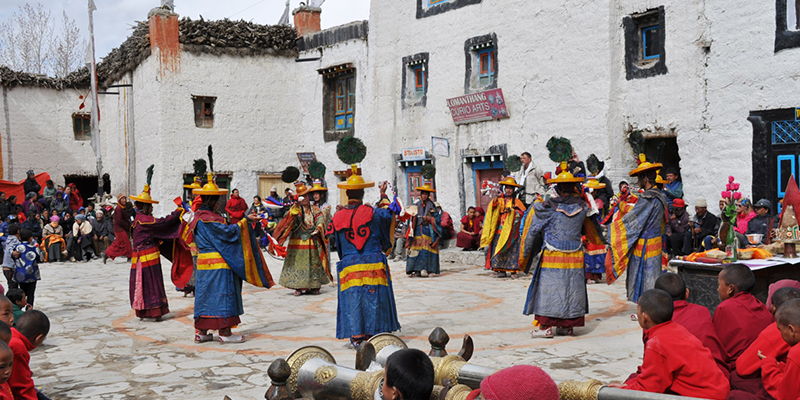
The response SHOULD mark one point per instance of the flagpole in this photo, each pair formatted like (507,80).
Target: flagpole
(95,107)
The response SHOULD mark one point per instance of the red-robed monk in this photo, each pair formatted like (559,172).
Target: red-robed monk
(740,317)
(784,380)
(769,342)
(695,318)
(675,362)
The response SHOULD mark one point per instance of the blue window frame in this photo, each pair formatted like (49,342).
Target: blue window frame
(486,65)
(650,45)
(345,104)
(419,79)
(786,169)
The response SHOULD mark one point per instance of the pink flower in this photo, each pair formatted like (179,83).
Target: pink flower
(735,186)
(730,179)
(737,195)
(726,195)
(729,186)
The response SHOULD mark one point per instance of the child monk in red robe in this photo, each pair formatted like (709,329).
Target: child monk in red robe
(675,362)
(784,379)
(739,319)
(769,342)
(695,318)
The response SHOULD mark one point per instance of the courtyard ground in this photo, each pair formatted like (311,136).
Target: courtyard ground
(98,349)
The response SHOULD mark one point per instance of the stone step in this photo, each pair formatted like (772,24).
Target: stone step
(466,258)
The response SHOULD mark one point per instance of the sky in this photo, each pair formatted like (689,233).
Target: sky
(114,19)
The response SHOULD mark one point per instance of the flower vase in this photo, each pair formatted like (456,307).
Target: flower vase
(731,246)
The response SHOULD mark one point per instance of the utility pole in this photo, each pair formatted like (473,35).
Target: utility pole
(95,107)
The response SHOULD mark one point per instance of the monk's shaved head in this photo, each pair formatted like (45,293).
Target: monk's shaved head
(672,284)
(657,304)
(789,313)
(740,276)
(783,295)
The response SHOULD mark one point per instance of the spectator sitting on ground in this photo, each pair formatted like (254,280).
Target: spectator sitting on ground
(31,203)
(517,382)
(6,311)
(28,334)
(90,212)
(30,184)
(784,379)
(20,215)
(33,223)
(408,375)
(102,233)
(673,188)
(18,301)
(680,236)
(53,244)
(5,207)
(399,250)
(60,202)
(49,190)
(469,237)
(80,243)
(705,226)
(6,364)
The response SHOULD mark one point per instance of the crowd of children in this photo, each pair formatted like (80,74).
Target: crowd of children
(18,336)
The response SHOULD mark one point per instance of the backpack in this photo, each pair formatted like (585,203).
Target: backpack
(26,268)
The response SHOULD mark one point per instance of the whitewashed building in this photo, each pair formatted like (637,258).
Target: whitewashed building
(715,82)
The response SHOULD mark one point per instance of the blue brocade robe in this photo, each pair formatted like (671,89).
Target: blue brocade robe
(366,299)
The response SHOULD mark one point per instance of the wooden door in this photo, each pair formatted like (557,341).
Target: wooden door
(494,175)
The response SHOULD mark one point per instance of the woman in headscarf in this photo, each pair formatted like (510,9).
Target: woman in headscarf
(122,232)
(53,241)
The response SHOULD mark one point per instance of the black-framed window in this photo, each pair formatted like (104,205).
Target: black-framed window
(415,80)
(645,36)
(482,63)
(339,107)
(82,126)
(787,24)
(428,8)
(204,111)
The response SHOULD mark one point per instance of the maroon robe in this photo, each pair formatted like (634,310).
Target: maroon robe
(466,241)
(122,237)
(738,322)
(697,320)
(147,293)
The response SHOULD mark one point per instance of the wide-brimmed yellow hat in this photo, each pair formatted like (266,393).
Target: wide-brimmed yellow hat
(659,179)
(593,183)
(509,181)
(210,188)
(427,187)
(644,165)
(197,184)
(144,197)
(317,186)
(565,176)
(355,181)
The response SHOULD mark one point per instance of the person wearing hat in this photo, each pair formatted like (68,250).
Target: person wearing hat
(704,226)
(673,188)
(678,231)
(362,234)
(557,294)
(426,225)
(227,255)
(274,199)
(501,231)
(30,184)
(305,268)
(762,222)
(122,228)
(635,239)
(148,298)
(79,243)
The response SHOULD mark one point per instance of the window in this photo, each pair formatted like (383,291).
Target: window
(339,97)
(650,48)
(644,44)
(345,102)
(204,111)
(415,80)
(428,8)
(481,73)
(82,126)
(787,24)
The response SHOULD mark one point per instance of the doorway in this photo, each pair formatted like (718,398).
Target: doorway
(776,152)
(663,150)
(86,184)
(493,175)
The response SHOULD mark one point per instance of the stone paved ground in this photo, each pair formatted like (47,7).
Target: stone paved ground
(98,349)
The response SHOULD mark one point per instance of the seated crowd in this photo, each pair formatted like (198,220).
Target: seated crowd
(59,222)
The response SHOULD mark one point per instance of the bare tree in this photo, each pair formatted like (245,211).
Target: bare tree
(28,42)
(66,49)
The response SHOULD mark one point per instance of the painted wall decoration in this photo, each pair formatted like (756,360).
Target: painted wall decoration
(477,107)
(440,146)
